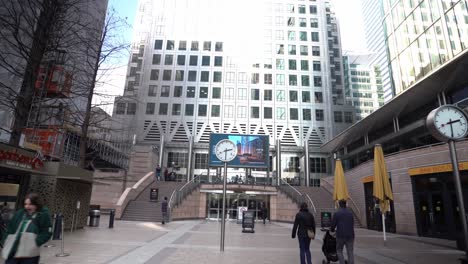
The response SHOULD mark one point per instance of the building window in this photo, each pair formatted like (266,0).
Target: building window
(315,37)
(207,45)
(315,51)
(189,109)
(292,65)
(279,35)
(291,21)
(304,50)
(318,97)
(293,114)
(217,77)
(158,44)
(228,111)
(255,112)
(338,116)
(120,109)
(168,59)
(202,110)
(230,77)
(167,75)
(293,80)
(268,79)
(317,66)
(154,75)
(306,114)
(304,65)
(205,76)
(193,60)
(268,95)
(302,9)
(268,64)
(242,78)
(178,91)
(205,61)
(280,49)
(305,80)
(291,35)
(292,96)
(292,49)
(152,90)
(181,60)
(201,161)
(176,109)
(229,93)
(290,8)
(348,117)
(215,111)
(192,76)
(242,112)
(303,36)
(182,45)
(318,165)
(305,96)
(302,22)
(203,92)
(165,91)
(163,108)
(281,113)
(255,78)
(219,46)
(280,95)
(319,115)
(216,93)
(267,112)
(280,79)
(242,93)
(314,22)
(194,46)
(317,81)
(191,92)
(179,76)
(255,94)
(156,59)
(280,64)
(313,9)
(218,61)
(131,108)
(179,159)
(170,45)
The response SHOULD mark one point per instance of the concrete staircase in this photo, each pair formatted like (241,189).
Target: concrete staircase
(142,209)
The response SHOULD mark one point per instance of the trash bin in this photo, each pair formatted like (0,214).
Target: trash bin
(94,217)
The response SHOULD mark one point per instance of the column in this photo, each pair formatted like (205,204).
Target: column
(306,163)
(278,162)
(190,160)
(161,152)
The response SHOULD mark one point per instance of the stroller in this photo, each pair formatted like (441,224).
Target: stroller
(329,248)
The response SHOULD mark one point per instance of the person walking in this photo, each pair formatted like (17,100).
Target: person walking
(27,231)
(164,210)
(166,174)
(343,222)
(264,212)
(304,227)
(158,173)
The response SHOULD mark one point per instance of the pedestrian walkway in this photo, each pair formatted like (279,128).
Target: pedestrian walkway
(197,242)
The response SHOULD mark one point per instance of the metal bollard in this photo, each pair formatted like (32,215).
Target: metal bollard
(62,246)
(49,244)
(111,218)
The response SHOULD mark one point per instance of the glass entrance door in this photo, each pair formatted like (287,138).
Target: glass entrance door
(432,210)
(233,202)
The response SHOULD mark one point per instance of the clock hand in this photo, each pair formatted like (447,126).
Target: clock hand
(451,126)
(452,122)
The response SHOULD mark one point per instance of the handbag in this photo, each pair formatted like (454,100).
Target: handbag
(27,247)
(311,233)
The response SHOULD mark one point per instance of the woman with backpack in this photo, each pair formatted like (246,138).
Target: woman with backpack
(304,227)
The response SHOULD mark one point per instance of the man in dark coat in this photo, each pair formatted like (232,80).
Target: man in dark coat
(343,222)
(303,222)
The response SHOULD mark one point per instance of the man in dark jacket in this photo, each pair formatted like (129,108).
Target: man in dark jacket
(164,210)
(303,222)
(343,221)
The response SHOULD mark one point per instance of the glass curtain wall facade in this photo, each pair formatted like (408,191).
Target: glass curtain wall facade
(244,67)
(422,36)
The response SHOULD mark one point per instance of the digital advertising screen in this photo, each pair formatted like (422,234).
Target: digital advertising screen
(252,150)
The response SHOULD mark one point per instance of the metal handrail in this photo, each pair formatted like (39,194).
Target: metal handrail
(296,195)
(311,202)
(355,207)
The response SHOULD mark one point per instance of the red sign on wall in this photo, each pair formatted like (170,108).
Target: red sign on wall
(20,160)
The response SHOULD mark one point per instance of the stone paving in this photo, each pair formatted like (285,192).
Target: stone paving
(197,242)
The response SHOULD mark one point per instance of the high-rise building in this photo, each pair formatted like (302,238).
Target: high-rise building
(363,84)
(373,14)
(244,67)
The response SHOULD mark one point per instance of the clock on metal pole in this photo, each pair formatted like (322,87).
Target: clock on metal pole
(449,123)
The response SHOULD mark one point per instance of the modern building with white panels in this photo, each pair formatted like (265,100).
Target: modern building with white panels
(373,16)
(266,67)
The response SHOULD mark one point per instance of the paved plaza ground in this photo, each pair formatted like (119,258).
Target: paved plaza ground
(197,242)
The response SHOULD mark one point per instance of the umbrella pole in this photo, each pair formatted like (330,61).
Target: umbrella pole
(383,228)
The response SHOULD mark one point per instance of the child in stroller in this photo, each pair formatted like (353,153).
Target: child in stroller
(329,248)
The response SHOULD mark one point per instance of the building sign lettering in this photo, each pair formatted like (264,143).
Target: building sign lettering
(20,160)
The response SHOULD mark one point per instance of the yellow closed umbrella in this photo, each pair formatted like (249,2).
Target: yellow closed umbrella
(340,190)
(382,190)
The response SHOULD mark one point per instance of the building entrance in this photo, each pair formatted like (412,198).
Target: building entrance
(436,206)
(253,202)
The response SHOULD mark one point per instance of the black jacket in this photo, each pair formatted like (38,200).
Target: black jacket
(304,221)
(343,222)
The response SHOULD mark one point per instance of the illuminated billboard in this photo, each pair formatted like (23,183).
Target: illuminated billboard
(252,150)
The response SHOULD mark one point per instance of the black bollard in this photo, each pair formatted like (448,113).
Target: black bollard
(58,227)
(111,218)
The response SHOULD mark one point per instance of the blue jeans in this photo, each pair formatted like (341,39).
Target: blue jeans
(304,247)
(34,260)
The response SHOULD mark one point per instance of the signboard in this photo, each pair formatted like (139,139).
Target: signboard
(240,213)
(154,193)
(252,150)
(326,219)
(248,220)
(20,158)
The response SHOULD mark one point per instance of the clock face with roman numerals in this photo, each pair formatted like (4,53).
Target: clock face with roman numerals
(448,122)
